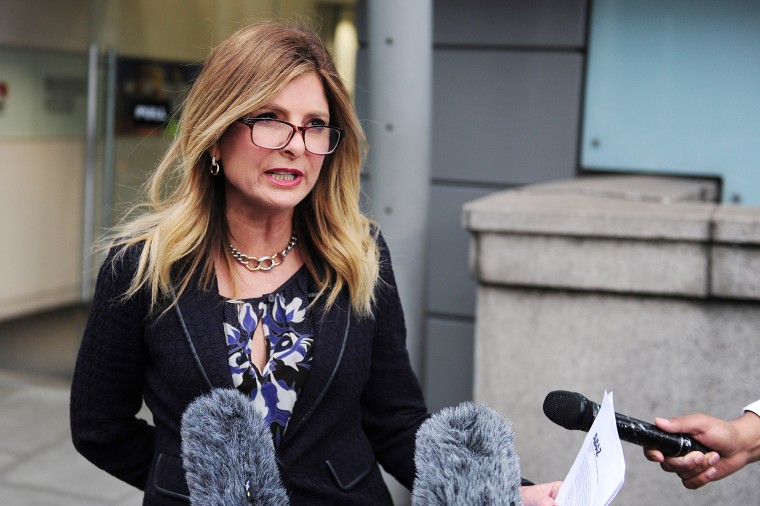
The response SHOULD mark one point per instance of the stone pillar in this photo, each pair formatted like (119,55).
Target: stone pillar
(400,56)
(638,285)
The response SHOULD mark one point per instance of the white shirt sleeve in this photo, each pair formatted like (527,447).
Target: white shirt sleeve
(754,407)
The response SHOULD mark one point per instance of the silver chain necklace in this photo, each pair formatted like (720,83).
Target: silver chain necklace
(266,263)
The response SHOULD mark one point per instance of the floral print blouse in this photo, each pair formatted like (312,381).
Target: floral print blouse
(288,333)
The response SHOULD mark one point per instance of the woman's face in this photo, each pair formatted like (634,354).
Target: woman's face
(267,182)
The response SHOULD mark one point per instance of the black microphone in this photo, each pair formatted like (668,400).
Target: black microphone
(228,454)
(465,455)
(573,411)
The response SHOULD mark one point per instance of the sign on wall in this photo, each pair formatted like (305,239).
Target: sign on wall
(149,93)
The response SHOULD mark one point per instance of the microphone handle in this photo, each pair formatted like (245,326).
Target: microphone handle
(649,435)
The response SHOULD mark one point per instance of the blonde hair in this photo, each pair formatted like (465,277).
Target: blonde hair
(185,226)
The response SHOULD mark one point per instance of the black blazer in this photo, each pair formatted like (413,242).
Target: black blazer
(361,405)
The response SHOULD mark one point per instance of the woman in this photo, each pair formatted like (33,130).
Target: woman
(253,268)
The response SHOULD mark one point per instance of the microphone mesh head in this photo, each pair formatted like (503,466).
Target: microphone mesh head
(228,454)
(569,410)
(465,455)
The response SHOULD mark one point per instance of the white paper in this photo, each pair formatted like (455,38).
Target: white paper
(599,469)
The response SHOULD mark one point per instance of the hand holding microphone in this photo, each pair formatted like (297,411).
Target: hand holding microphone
(737,441)
(573,411)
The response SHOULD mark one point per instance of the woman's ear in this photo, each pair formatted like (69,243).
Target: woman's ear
(215,151)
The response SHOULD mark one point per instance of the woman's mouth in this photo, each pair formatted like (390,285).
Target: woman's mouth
(284,177)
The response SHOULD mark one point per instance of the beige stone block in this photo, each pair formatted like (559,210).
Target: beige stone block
(539,211)
(636,188)
(582,263)
(737,224)
(735,272)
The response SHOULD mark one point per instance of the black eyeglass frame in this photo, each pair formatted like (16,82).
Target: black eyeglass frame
(249,122)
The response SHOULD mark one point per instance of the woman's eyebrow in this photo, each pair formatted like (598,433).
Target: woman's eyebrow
(282,111)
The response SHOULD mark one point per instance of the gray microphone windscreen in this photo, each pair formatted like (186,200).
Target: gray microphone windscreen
(465,456)
(228,454)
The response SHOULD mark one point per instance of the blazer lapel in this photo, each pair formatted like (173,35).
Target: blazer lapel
(200,314)
(331,336)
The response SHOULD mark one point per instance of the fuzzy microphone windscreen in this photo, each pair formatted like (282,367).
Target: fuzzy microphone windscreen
(465,456)
(228,454)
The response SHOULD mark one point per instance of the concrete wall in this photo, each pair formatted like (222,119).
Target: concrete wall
(634,285)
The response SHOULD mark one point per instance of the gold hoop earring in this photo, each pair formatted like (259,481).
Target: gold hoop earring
(214,170)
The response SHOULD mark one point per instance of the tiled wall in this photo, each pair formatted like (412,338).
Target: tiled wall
(506,105)
(507,80)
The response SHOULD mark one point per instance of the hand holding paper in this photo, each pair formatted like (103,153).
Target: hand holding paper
(599,469)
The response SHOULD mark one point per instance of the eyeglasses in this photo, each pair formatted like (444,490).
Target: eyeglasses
(270,133)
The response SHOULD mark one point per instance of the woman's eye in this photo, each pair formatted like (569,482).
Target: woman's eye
(317,122)
(265,115)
